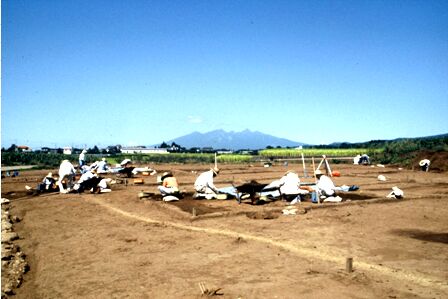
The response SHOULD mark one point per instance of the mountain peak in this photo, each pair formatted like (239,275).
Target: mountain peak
(220,139)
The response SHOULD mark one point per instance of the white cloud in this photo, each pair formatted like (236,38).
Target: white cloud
(194,119)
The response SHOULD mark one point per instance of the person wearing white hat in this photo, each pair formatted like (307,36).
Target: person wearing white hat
(287,186)
(127,169)
(48,184)
(324,185)
(424,164)
(66,172)
(290,184)
(204,183)
(396,193)
(88,180)
(104,185)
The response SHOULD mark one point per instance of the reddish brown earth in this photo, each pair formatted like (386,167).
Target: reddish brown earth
(116,246)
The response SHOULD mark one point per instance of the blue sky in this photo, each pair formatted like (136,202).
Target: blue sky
(94,72)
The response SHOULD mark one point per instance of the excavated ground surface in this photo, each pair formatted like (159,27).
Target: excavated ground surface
(116,245)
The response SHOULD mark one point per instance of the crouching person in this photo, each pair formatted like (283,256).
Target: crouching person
(104,185)
(204,185)
(424,165)
(48,184)
(287,187)
(325,189)
(88,181)
(169,188)
(290,187)
(66,172)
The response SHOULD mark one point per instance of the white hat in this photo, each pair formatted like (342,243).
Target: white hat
(397,191)
(166,174)
(290,171)
(103,159)
(318,172)
(215,170)
(423,162)
(125,161)
(49,175)
(84,151)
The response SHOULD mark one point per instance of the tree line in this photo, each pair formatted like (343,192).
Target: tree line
(399,151)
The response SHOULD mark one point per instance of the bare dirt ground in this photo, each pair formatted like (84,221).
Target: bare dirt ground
(116,245)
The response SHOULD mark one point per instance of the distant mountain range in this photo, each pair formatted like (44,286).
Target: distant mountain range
(220,139)
(254,140)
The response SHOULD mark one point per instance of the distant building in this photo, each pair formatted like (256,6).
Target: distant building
(208,150)
(223,152)
(143,150)
(67,150)
(50,150)
(24,148)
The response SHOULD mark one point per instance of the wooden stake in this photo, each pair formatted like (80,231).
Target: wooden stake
(322,161)
(202,287)
(315,179)
(349,264)
(327,167)
(303,163)
(194,212)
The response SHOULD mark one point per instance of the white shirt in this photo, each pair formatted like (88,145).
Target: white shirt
(290,184)
(86,176)
(205,179)
(326,184)
(425,161)
(102,166)
(66,168)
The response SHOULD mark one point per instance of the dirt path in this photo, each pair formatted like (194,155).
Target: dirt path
(408,277)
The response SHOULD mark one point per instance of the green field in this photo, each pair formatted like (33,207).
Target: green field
(311,152)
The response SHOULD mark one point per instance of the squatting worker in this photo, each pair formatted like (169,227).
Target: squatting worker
(67,172)
(204,182)
(424,164)
(325,186)
(169,184)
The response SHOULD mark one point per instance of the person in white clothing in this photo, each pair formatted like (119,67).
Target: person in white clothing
(324,185)
(102,166)
(88,181)
(127,169)
(204,182)
(67,172)
(287,186)
(82,158)
(104,185)
(424,164)
(290,184)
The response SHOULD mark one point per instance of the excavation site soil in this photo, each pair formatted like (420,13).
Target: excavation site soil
(116,245)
